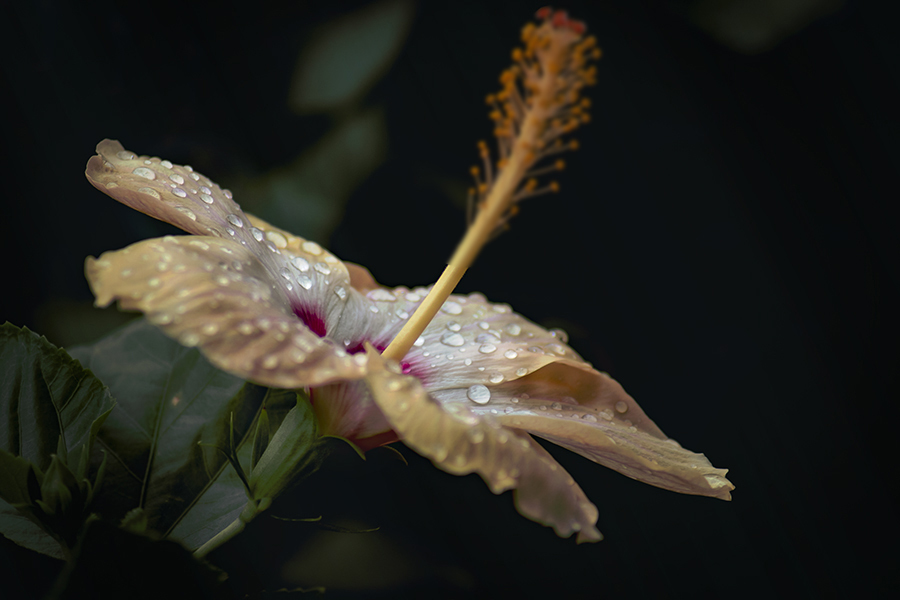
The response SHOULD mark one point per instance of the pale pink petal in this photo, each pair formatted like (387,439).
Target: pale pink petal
(347,410)
(460,442)
(589,413)
(215,294)
(472,341)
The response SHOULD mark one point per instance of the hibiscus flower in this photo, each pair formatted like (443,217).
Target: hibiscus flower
(468,393)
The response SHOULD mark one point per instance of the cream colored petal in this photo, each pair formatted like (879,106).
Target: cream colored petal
(215,294)
(172,193)
(460,442)
(589,413)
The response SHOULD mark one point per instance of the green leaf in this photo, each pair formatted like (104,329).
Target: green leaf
(45,395)
(53,408)
(348,54)
(170,400)
(27,533)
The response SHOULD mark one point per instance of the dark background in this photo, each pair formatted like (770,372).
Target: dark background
(722,245)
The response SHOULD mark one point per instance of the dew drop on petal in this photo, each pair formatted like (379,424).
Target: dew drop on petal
(513,329)
(454,326)
(125,155)
(556,406)
(207,198)
(322,268)
(590,418)
(451,308)
(451,338)
(257,234)
(301,263)
(179,192)
(420,341)
(412,297)
(304,281)
(145,173)
(487,348)
(277,239)
(496,378)
(235,220)
(510,354)
(521,372)
(312,247)
(340,292)
(149,192)
(167,164)
(381,295)
(176,178)
(621,407)
(479,394)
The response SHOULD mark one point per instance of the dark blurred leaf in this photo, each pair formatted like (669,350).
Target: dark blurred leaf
(53,408)
(307,197)
(114,563)
(171,399)
(347,55)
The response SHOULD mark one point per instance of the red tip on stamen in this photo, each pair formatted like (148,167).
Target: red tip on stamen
(560,18)
(577,26)
(543,13)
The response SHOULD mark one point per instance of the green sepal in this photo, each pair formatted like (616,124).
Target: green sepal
(260,438)
(290,453)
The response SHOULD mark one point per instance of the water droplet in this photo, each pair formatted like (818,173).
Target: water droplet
(420,341)
(145,173)
(521,372)
(487,348)
(501,308)
(235,220)
(484,325)
(621,407)
(513,329)
(125,155)
(207,198)
(475,435)
(205,189)
(277,239)
(454,326)
(479,394)
(510,354)
(451,308)
(323,268)
(341,292)
(257,234)
(560,335)
(606,414)
(149,192)
(285,273)
(556,406)
(381,295)
(312,247)
(227,194)
(301,263)
(270,362)
(176,178)
(272,247)
(468,362)
(167,164)
(411,297)
(304,281)
(402,314)
(451,338)
(190,214)
(496,378)
(179,192)
(589,417)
